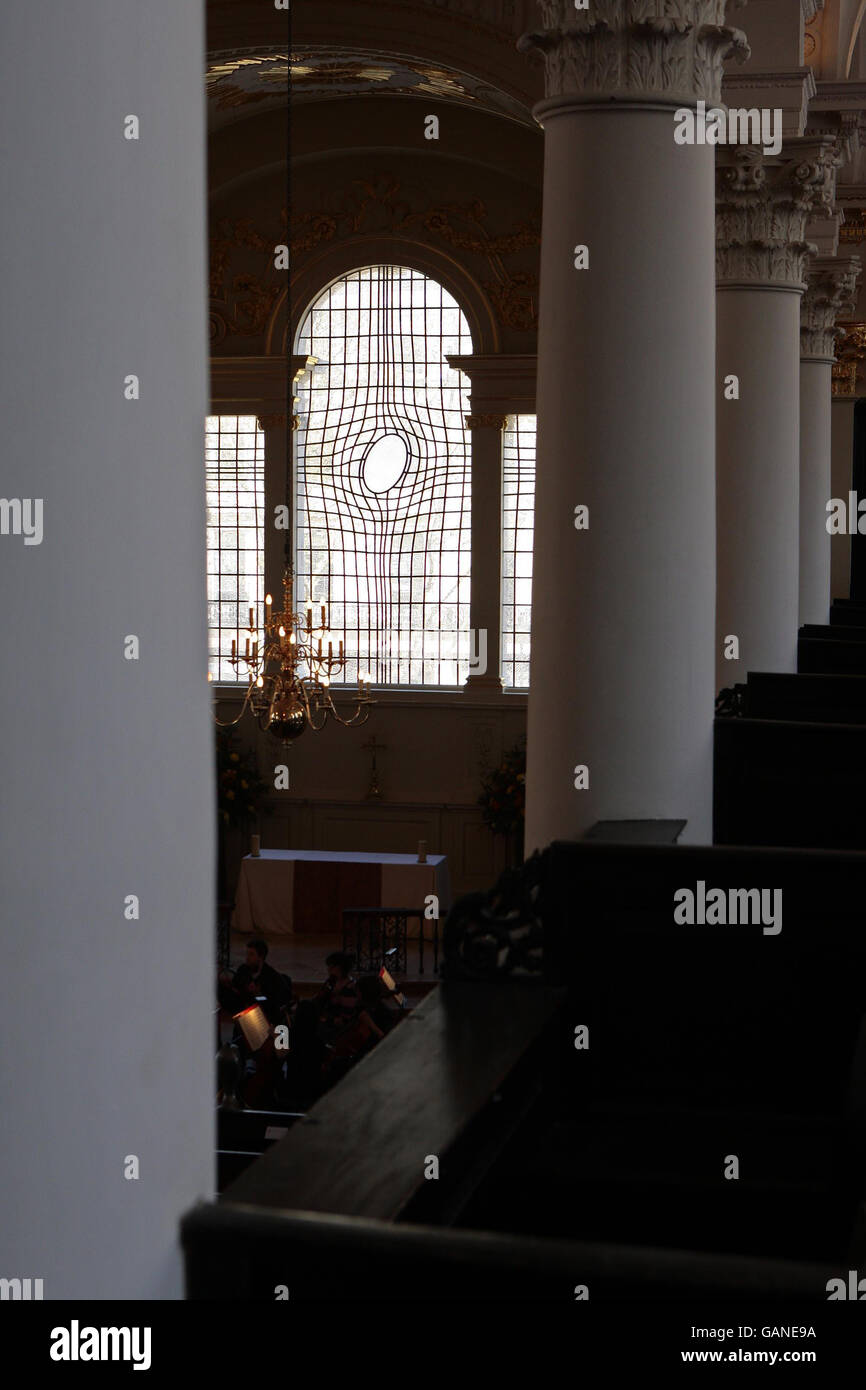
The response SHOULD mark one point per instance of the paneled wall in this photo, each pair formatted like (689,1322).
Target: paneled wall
(434,753)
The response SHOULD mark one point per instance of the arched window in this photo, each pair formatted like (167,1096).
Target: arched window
(383,475)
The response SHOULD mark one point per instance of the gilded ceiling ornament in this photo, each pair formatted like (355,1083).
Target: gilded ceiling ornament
(853,229)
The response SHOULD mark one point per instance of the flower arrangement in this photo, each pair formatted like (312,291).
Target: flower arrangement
(240,790)
(503,793)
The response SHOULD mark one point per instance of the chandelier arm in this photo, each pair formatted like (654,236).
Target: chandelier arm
(231,723)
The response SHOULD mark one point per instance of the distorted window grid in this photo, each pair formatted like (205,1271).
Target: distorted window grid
(518,503)
(235,499)
(383,537)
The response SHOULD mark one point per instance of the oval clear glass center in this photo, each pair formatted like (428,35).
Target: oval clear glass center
(384,463)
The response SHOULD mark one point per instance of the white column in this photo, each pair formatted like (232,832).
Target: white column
(763,206)
(830,285)
(841,481)
(107,795)
(622,612)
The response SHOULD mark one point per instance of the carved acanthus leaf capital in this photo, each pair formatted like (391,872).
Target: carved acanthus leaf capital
(763,203)
(830,292)
(621,48)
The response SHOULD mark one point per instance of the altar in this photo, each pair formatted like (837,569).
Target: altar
(305,892)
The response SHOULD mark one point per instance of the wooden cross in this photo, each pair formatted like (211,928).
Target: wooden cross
(374,747)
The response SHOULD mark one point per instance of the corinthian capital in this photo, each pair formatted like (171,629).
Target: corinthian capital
(763,203)
(830,290)
(668,50)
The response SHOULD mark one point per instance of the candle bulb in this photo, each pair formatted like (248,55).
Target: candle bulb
(268,601)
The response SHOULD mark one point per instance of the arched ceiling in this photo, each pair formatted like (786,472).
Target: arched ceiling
(237,83)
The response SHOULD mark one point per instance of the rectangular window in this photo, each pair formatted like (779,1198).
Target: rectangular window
(518,506)
(235,492)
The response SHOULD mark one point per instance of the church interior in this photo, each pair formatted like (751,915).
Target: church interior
(488,924)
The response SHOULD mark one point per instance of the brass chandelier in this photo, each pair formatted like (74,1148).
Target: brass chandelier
(289,673)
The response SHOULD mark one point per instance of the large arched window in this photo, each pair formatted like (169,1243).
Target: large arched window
(383,475)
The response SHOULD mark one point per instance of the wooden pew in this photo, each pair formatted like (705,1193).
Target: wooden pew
(847,613)
(785,783)
(703,1042)
(821,699)
(831,649)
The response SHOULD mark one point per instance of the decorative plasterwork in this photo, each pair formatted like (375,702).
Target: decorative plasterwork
(762,206)
(853,229)
(850,352)
(244,285)
(376,206)
(830,291)
(617,48)
(321,72)
(245,288)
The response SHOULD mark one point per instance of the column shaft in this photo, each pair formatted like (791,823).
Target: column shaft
(763,206)
(108,760)
(622,614)
(485,593)
(815,485)
(830,286)
(758,482)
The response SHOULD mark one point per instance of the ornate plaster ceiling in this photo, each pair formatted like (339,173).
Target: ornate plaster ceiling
(239,82)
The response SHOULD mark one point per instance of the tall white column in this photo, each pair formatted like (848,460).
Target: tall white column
(107,807)
(841,481)
(763,205)
(622,612)
(830,283)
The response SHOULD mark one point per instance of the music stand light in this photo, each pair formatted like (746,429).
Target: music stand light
(254,1026)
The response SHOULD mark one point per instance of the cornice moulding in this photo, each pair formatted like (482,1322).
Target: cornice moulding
(502,384)
(789,91)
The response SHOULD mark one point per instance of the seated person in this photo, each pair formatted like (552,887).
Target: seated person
(256,978)
(338,1002)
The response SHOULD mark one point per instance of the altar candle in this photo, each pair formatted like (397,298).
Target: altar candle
(324,618)
(234,648)
(330,651)
(320,648)
(255,651)
(341,651)
(252,624)
(247,651)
